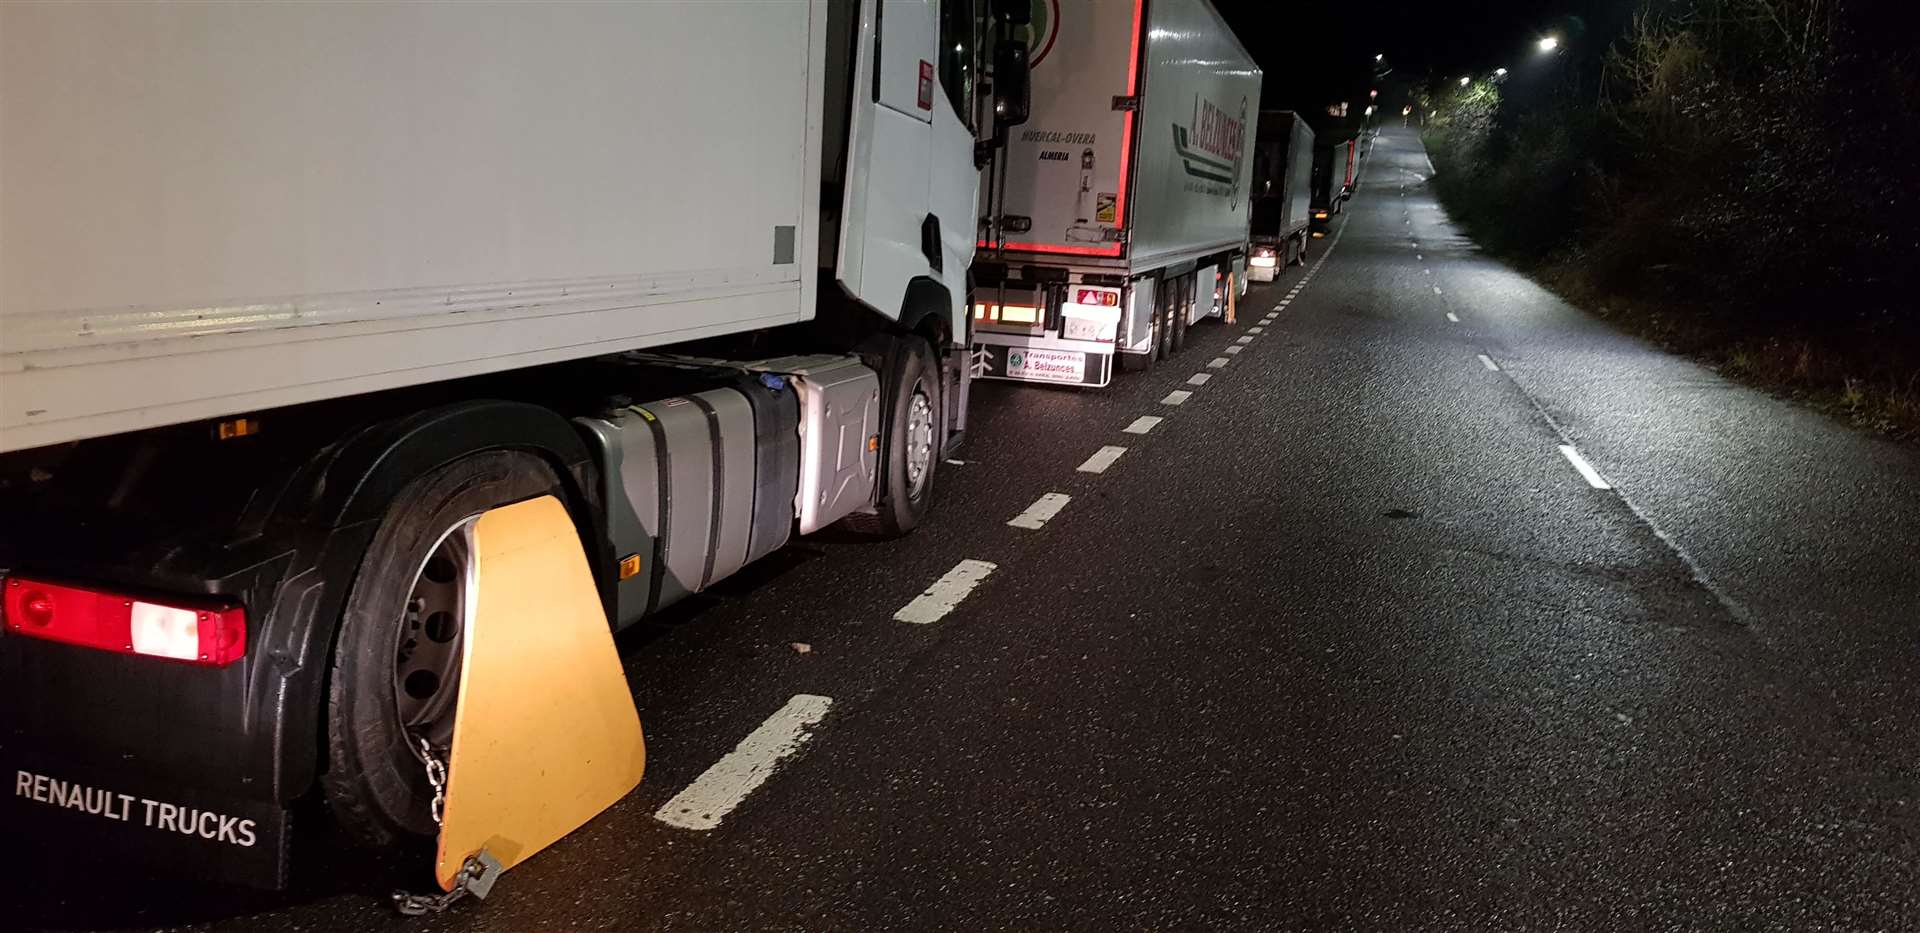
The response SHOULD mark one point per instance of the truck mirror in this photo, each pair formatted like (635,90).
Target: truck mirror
(1012,87)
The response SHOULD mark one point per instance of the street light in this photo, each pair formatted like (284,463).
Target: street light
(1465,80)
(1547,44)
(1380,57)
(1499,72)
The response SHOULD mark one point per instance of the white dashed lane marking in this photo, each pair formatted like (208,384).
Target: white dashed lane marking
(1143,424)
(1437,291)
(1199,379)
(1488,362)
(1233,350)
(1586,469)
(1176,397)
(724,786)
(1245,340)
(1044,508)
(1101,459)
(1450,317)
(1217,362)
(945,593)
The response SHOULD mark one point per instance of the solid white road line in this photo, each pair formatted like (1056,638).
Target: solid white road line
(1176,397)
(1199,379)
(1586,469)
(945,593)
(1450,317)
(722,787)
(1233,350)
(1143,424)
(1101,459)
(1044,508)
(1488,362)
(1218,362)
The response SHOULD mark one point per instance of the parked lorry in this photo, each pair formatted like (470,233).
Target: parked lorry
(1120,215)
(1282,194)
(291,293)
(1334,171)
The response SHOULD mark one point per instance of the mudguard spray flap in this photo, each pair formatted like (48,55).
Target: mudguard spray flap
(546,735)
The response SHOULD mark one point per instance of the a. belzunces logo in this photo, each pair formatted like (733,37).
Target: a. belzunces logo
(1210,149)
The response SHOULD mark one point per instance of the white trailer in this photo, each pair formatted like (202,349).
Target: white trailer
(1121,214)
(1282,194)
(290,293)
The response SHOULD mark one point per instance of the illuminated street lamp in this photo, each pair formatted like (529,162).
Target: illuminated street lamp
(1373,94)
(1547,44)
(1465,80)
(1499,72)
(1380,57)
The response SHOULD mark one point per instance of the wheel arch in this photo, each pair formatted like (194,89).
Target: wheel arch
(352,485)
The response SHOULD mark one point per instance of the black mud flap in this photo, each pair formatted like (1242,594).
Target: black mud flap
(93,814)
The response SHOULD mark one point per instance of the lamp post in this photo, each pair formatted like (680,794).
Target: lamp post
(1547,44)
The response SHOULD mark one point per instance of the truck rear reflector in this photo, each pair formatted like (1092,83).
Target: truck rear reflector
(210,635)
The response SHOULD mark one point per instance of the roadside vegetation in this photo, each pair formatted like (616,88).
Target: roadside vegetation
(1736,179)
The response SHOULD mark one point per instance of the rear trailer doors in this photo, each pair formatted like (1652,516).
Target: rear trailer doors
(1066,170)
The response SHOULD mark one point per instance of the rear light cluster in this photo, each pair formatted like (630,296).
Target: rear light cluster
(1098,297)
(211,635)
(1010,314)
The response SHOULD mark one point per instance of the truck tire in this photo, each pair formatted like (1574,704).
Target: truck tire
(1163,338)
(916,435)
(396,662)
(1183,312)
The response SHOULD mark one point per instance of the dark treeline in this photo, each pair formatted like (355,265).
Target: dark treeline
(1738,177)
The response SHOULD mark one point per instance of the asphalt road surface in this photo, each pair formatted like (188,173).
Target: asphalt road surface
(1355,637)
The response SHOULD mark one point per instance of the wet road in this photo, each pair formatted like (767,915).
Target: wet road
(1348,640)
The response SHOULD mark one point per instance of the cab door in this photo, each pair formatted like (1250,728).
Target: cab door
(885,208)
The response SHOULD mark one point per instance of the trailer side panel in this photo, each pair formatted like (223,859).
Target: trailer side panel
(1199,104)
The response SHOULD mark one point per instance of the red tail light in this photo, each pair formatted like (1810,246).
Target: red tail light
(206,634)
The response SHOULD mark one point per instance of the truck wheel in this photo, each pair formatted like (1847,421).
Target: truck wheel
(396,665)
(1163,340)
(916,435)
(1183,312)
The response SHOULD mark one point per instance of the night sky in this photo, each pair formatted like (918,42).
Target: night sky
(1316,53)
